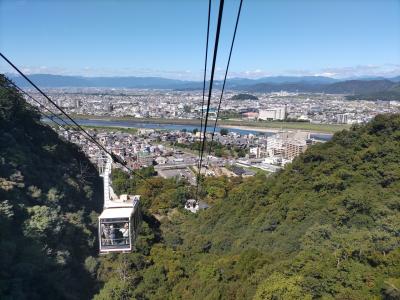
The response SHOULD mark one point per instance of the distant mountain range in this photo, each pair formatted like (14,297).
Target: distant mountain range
(48,80)
(56,81)
(370,88)
(340,87)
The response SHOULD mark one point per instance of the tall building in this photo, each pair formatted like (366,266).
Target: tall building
(109,107)
(341,118)
(287,145)
(77,103)
(294,148)
(272,114)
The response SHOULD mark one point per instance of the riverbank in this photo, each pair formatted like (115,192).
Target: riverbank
(259,129)
(260,126)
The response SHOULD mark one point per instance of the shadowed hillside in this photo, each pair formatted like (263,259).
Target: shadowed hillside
(49,196)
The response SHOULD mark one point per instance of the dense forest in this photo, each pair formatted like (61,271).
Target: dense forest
(49,198)
(325,227)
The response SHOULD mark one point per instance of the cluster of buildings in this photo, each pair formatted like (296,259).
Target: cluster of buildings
(139,150)
(168,104)
(155,147)
(158,148)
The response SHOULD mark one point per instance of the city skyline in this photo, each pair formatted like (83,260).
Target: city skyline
(338,39)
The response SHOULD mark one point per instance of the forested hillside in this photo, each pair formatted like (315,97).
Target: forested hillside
(392,93)
(377,89)
(49,196)
(328,226)
(243,97)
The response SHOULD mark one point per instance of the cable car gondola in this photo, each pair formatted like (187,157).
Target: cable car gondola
(120,220)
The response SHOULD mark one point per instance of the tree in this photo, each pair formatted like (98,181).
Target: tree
(278,286)
(241,153)
(219,152)
(224,131)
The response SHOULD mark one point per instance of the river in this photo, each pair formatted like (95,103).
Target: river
(178,127)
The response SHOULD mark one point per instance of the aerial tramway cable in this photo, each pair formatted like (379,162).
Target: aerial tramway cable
(205,72)
(59,108)
(223,85)
(127,213)
(50,117)
(87,135)
(53,114)
(221,9)
(66,126)
(203,130)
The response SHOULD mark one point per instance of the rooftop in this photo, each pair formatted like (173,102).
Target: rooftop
(118,212)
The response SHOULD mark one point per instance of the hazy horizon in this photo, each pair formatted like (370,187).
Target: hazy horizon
(395,75)
(338,39)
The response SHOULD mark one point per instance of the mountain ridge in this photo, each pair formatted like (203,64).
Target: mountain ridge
(369,89)
(51,80)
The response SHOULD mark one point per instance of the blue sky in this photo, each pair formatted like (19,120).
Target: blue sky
(338,38)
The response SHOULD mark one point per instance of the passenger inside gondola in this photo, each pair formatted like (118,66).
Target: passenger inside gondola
(125,233)
(115,234)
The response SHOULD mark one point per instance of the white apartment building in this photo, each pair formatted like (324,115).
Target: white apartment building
(342,118)
(288,144)
(272,114)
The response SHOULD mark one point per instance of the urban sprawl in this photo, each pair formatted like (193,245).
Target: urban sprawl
(236,155)
(313,108)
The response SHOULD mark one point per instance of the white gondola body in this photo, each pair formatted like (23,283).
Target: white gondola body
(120,220)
